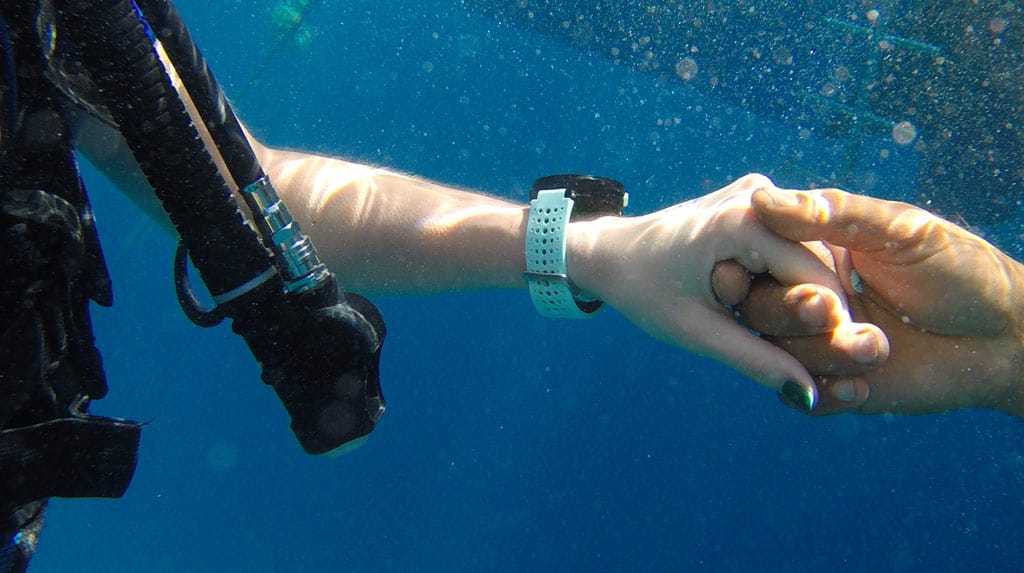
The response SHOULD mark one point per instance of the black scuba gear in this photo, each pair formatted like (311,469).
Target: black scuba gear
(51,266)
(319,347)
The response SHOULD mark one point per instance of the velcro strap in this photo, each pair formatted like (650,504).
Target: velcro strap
(88,456)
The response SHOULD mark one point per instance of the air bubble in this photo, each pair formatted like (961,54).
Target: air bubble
(903,133)
(686,69)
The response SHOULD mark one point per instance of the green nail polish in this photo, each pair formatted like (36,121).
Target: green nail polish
(856,282)
(799,396)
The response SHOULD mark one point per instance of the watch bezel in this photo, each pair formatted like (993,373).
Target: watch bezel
(592,196)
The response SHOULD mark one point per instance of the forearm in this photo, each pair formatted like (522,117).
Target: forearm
(383,232)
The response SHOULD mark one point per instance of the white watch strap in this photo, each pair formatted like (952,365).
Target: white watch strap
(550,289)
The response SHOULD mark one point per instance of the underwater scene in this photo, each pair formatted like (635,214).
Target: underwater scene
(514,442)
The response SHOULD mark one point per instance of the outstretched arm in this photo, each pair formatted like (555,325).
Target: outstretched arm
(384,232)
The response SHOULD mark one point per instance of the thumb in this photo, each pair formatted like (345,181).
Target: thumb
(856,222)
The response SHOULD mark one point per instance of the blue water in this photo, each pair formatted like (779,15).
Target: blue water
(511,442)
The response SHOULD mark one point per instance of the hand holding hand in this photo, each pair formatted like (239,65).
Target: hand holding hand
(657,270)
(951,304)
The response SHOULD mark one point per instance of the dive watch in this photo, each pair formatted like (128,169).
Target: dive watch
(555,201)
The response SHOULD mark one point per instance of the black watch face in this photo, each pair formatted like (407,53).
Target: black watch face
(592,195)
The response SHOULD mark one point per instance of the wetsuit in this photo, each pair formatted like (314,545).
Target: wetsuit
(51,267)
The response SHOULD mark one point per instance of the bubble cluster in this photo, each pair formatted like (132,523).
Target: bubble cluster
(686,69)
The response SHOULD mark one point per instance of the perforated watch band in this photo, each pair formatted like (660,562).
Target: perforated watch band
(552,292)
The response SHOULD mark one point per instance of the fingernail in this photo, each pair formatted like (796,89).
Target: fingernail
(855,282)
(782,197)
(865,348)
(803,399)
(812,309)
(845,391)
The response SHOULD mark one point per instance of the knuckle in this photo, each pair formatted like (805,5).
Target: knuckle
(755,181)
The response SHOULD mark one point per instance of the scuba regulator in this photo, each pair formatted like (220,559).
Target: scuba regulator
(318,347)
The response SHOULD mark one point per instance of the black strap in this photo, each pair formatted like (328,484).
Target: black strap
(87,456)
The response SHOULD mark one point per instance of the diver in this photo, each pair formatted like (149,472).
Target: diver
(682,274)
(318,347)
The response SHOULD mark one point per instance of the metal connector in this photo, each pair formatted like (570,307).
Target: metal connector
(297,260)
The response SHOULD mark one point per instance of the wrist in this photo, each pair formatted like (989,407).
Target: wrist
(595,257)
(558,203)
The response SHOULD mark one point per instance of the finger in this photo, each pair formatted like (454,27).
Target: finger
(709,332)
(913,263)
(851,349)
(730,282)
(788,262)
(836,395)
(801,310)
(853,221)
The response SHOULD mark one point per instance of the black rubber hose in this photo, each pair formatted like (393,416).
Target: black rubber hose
(207,96)
(114,47)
